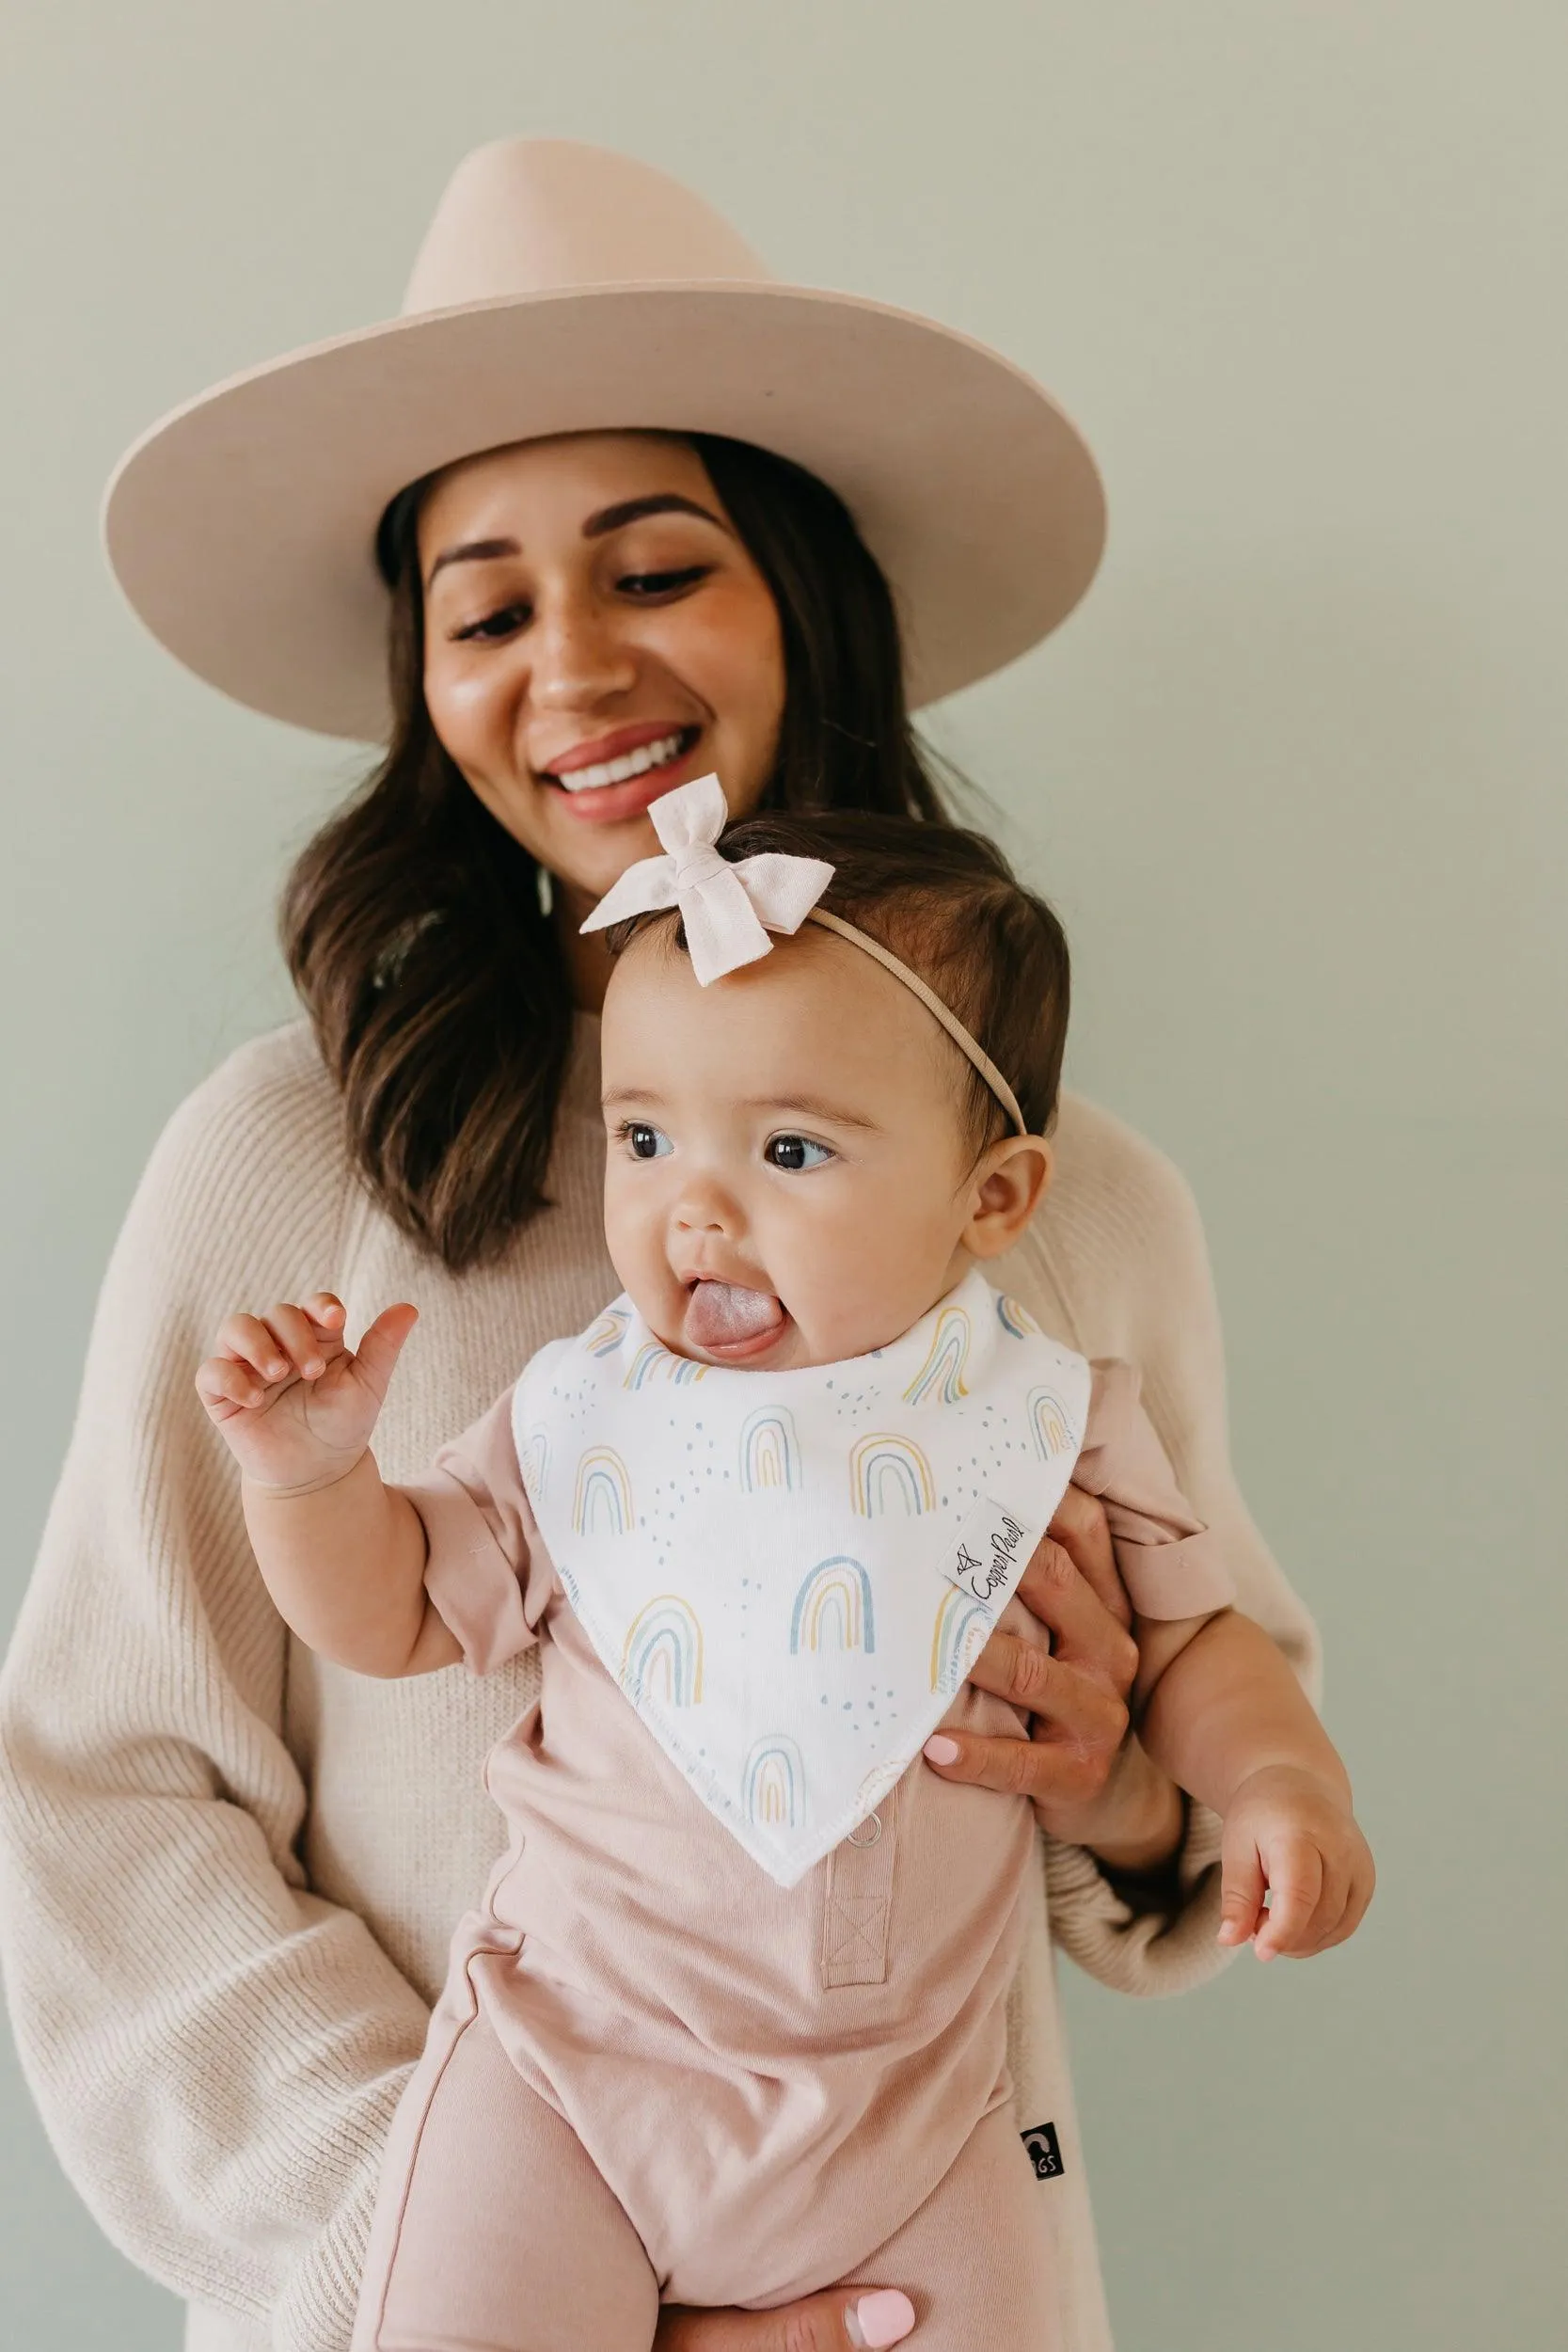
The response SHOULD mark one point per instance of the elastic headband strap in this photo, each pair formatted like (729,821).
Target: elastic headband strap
(971,1052)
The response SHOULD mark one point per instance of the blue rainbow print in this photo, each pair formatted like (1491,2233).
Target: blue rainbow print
(888,1474)
(1016,1319)
(769,1450)
(958,1636)
(837,1596)
(1049,1420)
(534,1463)
(662,1656)
(773,1783)
(605,1336)
(945,1361)
(602,1502)
(654,1361)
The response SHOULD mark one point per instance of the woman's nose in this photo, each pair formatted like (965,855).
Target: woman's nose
(577,658)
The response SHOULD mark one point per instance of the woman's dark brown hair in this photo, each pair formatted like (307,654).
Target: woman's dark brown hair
(412,924)
(948,904)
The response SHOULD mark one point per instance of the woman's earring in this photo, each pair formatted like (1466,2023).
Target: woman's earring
(543,882)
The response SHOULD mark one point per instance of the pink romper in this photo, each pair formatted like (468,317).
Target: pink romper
(718,2090)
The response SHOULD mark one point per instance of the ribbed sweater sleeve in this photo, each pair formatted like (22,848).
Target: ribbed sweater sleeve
(1122,1244)
(216,2050)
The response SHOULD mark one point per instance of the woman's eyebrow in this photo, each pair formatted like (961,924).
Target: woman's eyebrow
(656,502)
(599,525)
(471,551)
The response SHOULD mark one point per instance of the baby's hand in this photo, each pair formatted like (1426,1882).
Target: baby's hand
(1293,1832)
(295,1405)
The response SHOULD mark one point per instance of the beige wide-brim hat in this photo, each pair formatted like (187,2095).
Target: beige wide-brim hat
(561,289)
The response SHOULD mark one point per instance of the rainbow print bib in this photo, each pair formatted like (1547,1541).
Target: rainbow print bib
(789,1574)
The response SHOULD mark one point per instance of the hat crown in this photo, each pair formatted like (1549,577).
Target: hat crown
(531,217)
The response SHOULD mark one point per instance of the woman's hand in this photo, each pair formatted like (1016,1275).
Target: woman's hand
(1090,1782)
(835,2321)
(295,1403)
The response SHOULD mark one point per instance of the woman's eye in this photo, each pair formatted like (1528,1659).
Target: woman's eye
(796,1152)
(501,623)
(649,584)
(646,1142)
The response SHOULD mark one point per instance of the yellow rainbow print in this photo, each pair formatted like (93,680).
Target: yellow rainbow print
(769,1450)
(534,1463)
(654,1361)
(945,1361)
(835,1598)
(1049,1420)
(890,1473)
(601,1505)
(605,1336)
(662,1655)
(959,1634)
(1016,1319)
(773,1783)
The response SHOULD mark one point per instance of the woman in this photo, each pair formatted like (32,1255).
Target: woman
(236,1868)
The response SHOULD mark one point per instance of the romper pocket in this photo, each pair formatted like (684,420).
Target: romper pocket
(857,1898)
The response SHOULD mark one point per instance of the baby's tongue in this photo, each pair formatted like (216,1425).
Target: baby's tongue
(721,1314)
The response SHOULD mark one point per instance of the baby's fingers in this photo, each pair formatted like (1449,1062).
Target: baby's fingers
(227,1387)
(1241,1889)
(309,1344)
(251,1341)
(1348,1882)
(382,1343)
(1295,1885)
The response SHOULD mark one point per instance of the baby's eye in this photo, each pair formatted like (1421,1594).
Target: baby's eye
(645,1142)
(795,1152)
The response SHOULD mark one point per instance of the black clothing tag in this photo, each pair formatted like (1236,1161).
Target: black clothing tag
(1044,2150)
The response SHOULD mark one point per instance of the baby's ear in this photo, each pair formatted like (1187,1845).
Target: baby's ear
(1006,1188)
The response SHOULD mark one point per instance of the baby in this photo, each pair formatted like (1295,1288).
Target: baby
(729,2025)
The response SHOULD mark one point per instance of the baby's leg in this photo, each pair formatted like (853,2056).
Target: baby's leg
(973,2259)
(494,2232)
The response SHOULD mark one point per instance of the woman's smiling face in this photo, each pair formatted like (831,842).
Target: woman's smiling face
(595,633)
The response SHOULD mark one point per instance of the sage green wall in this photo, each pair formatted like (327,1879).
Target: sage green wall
(1294,776)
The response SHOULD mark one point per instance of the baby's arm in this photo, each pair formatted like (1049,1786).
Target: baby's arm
(1217,1705)
(1218,1708)
(343,1555)
(1215,1701)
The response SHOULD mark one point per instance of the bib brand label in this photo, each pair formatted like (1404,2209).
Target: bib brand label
(1044,2150)
(990,1554)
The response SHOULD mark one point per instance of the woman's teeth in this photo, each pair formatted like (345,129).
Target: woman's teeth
(623,770)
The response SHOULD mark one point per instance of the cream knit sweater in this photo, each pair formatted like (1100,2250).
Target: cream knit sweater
(230,1871)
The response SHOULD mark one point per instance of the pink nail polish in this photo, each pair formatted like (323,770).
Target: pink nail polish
(885,2318)
(942,1751)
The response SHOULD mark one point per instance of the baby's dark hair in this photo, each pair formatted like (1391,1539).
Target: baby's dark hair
(947,903)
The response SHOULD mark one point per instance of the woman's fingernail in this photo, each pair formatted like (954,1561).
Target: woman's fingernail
(885,2318)
(942,1751)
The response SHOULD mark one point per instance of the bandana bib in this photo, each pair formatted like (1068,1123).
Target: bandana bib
(790,1574)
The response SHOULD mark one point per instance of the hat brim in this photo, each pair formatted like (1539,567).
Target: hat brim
(242,527)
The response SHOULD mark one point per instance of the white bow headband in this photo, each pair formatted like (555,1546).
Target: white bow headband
(728,910)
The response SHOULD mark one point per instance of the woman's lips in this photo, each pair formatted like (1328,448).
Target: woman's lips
(725,1319)
(612,803)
